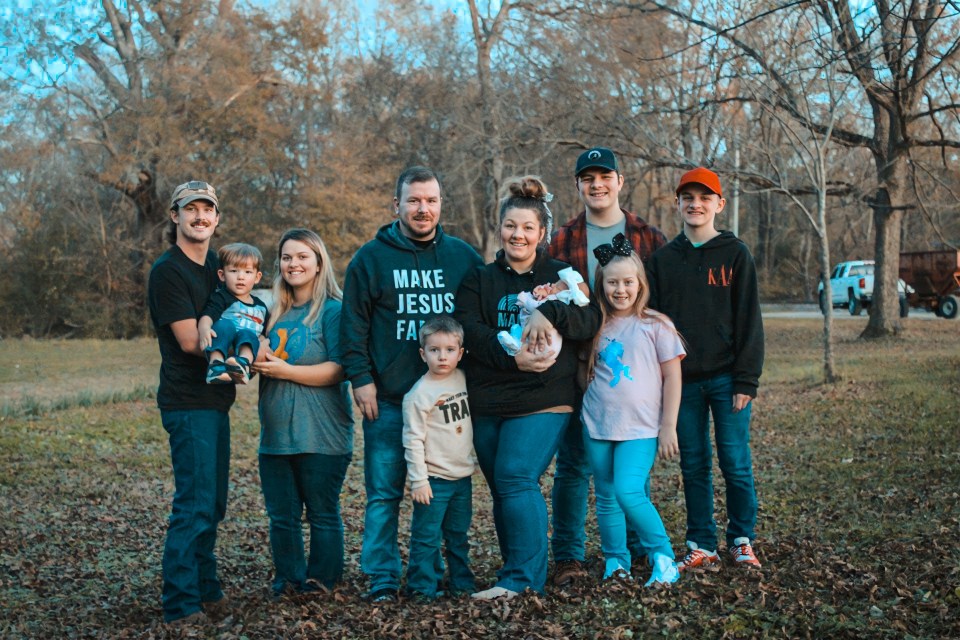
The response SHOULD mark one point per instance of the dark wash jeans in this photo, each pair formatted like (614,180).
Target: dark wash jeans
(447,519)
(699,401)
(229,339)
(385,475)
(200,452)
(291,483)
(513,453)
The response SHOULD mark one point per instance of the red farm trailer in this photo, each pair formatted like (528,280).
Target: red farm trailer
(935,278)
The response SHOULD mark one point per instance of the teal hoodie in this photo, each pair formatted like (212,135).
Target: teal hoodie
(392,287)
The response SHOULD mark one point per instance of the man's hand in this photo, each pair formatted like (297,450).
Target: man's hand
(422,494)
(206,337)
(740,402)
(366,398)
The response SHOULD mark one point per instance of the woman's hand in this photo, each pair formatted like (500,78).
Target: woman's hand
(264,350)
(537,332)
(271,367)
(530,361)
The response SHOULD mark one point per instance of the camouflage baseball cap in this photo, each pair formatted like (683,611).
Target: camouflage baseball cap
(194,190)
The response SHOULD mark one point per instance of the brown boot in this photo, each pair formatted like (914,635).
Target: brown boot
(567,571)
(218,609)
(195,619)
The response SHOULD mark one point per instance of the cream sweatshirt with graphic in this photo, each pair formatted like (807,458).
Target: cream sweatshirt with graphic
(437,430)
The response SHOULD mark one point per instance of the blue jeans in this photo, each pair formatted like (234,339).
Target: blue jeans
(229,339)
(571,488)
(384,473)
(698,402)
(448,516)
(621,474)
(200,453)
(513,453)
(290,483)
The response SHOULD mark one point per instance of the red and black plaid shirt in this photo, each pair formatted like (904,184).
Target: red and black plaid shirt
(569,243)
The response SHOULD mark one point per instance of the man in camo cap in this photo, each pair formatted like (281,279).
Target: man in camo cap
(194,414)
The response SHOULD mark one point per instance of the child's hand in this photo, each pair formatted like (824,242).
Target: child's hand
(544,291)
(541,292)
(667,446)
(740,402)
(422,494)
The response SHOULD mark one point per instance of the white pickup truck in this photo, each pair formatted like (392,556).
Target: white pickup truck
(851,286)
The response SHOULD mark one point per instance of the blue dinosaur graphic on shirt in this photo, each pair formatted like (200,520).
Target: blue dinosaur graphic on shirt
(611,356)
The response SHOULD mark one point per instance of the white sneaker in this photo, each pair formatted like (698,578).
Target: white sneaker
(664,571)
(613,567)
(493,593)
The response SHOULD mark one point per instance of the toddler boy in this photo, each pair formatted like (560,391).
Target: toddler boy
(233,318)
(438,443)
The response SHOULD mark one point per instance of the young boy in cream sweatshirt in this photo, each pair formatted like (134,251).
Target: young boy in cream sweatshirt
(438,443)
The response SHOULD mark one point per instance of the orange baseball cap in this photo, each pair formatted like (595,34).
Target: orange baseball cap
(701,176)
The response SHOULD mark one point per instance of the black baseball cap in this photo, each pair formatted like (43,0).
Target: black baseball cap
(599,157)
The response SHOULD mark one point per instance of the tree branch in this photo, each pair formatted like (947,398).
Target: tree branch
(110,82)
(126,48)
(854,49)
(953,144)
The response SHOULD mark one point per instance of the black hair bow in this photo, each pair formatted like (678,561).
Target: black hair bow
(619,247)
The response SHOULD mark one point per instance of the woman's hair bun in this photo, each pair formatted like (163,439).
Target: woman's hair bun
(527,187)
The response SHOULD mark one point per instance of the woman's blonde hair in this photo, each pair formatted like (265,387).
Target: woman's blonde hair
(324,285)
(640,308)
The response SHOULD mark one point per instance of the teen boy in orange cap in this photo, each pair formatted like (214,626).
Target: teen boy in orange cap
(706,282)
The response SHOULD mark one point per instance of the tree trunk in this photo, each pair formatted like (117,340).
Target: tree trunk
(491,167)
(888,210)
(829,365)
(764,233)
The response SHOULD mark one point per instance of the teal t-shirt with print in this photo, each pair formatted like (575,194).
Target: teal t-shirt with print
(296,418)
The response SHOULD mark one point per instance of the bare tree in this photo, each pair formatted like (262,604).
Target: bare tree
(806,171)
(487,32)
(894,51)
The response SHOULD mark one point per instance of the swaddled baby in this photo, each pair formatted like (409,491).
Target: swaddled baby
(567,290)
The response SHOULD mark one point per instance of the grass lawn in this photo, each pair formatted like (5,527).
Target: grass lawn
(858,481)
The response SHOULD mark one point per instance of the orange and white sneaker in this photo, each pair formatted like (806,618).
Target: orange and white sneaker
(697,558)
(742,554)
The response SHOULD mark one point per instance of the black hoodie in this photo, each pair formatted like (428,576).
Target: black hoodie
(710,293)
(486,304)
(391,288)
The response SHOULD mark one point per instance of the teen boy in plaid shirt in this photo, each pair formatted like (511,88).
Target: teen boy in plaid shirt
(599,182)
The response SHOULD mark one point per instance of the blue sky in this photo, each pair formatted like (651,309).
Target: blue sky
(47,66)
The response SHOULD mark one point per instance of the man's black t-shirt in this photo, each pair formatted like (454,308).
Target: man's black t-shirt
(178,290)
